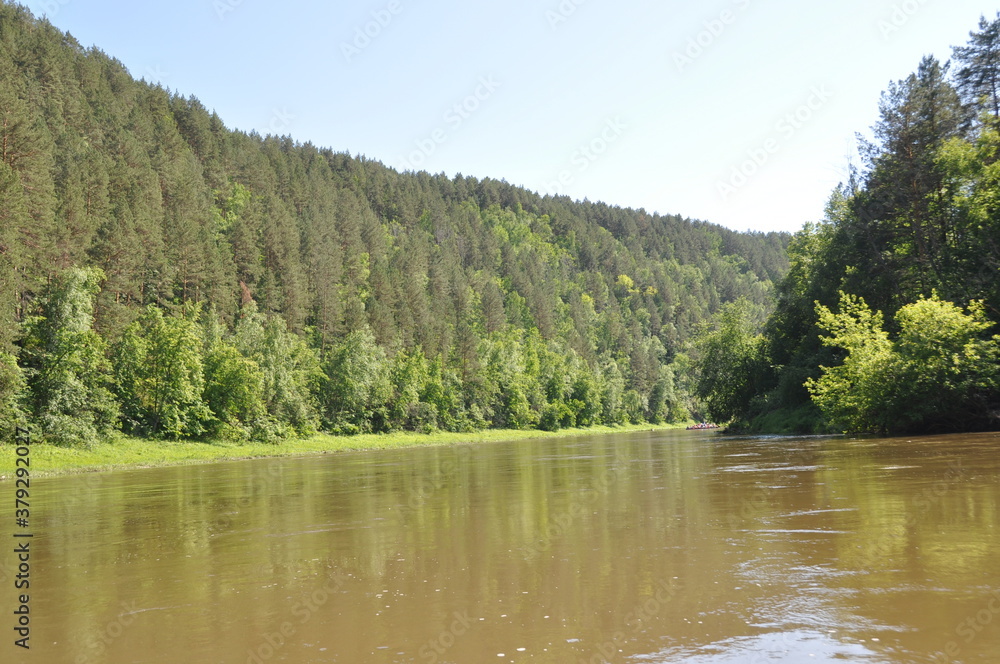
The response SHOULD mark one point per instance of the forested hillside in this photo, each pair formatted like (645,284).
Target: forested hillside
(166,276)
(886,321)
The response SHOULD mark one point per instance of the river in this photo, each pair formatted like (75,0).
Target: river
(667,546)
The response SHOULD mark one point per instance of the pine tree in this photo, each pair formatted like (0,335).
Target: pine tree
(899,208)
(978,76)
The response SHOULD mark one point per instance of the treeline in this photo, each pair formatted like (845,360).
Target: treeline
(166,276)
(885,320)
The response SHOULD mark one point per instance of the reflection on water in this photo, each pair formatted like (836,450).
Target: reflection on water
(657,547)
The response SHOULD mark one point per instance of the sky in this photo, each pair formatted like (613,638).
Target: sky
(738,112)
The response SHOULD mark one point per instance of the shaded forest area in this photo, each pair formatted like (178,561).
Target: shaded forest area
(165,276)
(886,320)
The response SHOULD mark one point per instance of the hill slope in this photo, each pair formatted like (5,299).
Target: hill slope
(418,300)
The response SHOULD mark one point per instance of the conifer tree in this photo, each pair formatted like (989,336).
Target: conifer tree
(978,75)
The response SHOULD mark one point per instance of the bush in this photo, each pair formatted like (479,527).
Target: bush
(556,416)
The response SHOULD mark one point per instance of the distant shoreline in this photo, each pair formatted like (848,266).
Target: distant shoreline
(127,453)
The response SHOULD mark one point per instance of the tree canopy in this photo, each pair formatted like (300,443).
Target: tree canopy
(256,286)
(869,331)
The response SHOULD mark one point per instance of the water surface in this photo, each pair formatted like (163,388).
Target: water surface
(654,547)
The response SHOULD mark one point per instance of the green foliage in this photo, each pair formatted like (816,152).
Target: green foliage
(978,76)
(230,207)
(356,388)
(853,396)
(468,303)
(291,370)
(633,406)
(664,403)
(443,392)
(922,217)
(12,393)
(556,416)
(585,395)
(950,369)
(408,375)
(612,393)
(940,374)
(65,364)
(732,360)
(506,402)
(234,391)
(159,375)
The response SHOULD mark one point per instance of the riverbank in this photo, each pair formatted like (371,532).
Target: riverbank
(125,452)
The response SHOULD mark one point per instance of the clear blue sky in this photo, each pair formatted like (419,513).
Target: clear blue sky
(609,101)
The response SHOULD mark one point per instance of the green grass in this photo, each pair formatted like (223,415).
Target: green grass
(125,452)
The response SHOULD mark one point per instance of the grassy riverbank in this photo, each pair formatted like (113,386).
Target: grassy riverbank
(127,452)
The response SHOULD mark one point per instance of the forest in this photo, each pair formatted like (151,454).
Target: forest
(886,320)
(164,276)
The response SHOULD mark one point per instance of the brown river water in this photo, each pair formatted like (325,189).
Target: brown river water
(657,547)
